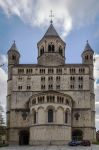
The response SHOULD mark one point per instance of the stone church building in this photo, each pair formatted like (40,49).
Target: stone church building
(50,102)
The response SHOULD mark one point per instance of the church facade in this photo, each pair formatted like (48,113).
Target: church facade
(50,102)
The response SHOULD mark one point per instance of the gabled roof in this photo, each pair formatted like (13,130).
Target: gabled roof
(51,31)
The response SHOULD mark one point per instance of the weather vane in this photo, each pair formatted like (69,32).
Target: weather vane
(51,15)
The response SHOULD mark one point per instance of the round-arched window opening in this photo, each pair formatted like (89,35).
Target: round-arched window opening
(60,50)
(51,48)
(13,57)
(50,115)
(34,116)
(41,50)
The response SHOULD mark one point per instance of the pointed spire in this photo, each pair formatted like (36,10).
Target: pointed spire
(14,47)
(51,31)
(87,47)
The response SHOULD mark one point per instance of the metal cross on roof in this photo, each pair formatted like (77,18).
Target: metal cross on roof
(51,15)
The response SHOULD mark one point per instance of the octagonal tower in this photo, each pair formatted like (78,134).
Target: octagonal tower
(51,49)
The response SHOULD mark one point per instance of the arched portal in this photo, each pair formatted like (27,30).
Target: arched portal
(77,135)
(24,137)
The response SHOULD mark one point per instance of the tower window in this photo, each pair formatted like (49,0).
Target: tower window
(50,115)
(13,57)
(41,50)
(51,48)
(60,50)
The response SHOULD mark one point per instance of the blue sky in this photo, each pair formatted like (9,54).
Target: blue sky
(26,37)
(26,21)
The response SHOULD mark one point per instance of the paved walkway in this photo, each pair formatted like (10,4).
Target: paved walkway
(93,147)
(66,147)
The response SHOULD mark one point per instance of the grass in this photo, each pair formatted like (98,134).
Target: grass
(97,142)
(3,145)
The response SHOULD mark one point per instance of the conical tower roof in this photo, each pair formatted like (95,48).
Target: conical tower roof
(14,47)
(88,47)
(51,31)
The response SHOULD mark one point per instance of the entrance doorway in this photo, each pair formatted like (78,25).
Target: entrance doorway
(23,137)
(77,135)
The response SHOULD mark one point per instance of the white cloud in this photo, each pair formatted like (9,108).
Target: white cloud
(96,70)
(3,83)
(3,59)
(69,14)
(96,76)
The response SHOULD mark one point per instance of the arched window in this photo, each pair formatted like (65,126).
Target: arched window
(86,57)
(67,116)
(13,57)
(50,115)
(51,48)
(41,50)
(34,116)
(60,50)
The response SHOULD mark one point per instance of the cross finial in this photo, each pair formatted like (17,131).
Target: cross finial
(51,15)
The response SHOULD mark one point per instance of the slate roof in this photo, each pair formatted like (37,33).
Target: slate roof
(87,47)
(51,31)
(14,47)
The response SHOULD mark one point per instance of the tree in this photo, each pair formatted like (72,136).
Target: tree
(2,123)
